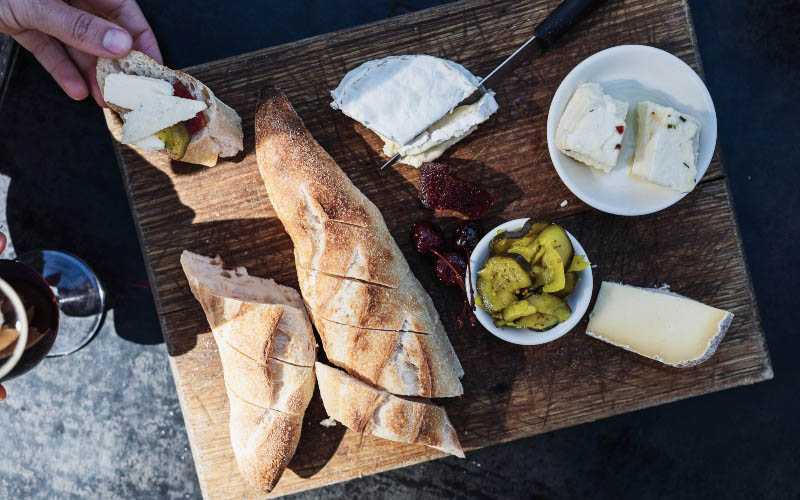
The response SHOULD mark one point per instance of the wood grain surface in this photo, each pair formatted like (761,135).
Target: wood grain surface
(510,391)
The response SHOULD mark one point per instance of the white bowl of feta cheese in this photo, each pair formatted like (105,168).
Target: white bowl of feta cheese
(594,137)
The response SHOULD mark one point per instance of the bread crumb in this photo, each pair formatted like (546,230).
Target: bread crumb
(564,203)
(328,422)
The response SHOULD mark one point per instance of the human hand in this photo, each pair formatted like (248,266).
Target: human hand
(67,38)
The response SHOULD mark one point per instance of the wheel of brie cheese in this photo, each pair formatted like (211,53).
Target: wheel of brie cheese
(401,97)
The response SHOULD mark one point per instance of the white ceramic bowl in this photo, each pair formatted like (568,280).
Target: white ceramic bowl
(632,73)
(578,300)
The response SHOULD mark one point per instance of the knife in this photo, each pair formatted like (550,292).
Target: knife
(566,15)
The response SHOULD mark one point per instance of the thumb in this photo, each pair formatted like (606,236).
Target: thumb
(76,28)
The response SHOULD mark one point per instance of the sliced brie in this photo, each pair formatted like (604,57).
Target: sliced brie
(151,144)
(151,103)
(667,143)
(159,113)
(591,127)
(453,127)
(130,91)
(398,97)
(657,324)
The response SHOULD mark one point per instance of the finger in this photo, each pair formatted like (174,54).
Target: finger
(87,65)
(3,242)
(2,393)
(77,28)
(50,54)
(127,14)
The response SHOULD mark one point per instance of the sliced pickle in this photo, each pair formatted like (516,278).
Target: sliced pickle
(539,322)
(550,304)
(499,278)
(570,281)
(556,238)
(517,310)
(579,263)
(552,278)
(526,251)
(504,239)
(176,139)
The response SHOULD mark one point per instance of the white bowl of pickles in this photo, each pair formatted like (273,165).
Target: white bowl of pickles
(531,280)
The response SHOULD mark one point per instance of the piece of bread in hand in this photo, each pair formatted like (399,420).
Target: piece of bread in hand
(267,348)
(363,408)
(222,135)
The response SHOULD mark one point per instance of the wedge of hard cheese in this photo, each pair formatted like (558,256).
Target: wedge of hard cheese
(658,324)
(363,408)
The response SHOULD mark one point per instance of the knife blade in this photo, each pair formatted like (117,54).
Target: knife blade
(566,15)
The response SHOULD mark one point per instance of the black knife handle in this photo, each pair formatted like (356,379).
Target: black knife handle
(566,15)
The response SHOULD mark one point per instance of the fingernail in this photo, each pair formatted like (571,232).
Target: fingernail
(117,41)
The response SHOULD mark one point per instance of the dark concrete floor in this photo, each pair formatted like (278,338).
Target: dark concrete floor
(105,422)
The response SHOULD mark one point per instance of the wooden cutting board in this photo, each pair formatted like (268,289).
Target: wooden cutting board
(510,391)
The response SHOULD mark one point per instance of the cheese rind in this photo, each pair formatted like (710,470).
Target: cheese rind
(399,97)
(657,324)
(667,143)
(450,129)
(589,128)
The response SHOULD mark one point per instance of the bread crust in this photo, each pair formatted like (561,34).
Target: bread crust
(365,409)
(267,349)
(350,269)
(404,363)
(222,135)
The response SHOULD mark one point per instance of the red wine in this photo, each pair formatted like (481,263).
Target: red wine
(39,301)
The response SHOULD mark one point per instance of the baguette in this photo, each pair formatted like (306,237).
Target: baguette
(404,363)
(363,408)
(351,271)
(267,348)
(222,136)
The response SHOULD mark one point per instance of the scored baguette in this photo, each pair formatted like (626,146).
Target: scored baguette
(267,348)
(363,408)
(222,136)
(351,271)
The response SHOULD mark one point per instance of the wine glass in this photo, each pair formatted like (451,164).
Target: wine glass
(29,323)
(79,294)
(52,304)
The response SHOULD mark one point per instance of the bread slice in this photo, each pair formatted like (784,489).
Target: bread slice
(350,269)
(235,302)
(363,408)
(222,136)
(263,441)
(404,363)
(367,305)
(267,348)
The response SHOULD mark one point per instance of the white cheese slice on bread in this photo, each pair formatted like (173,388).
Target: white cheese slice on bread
(450,129)
(130,91)
(591,127)
(150,144)
(657,324)
(667,142)
(401,97)
(151,103)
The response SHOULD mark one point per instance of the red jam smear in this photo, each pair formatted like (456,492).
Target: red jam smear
(199,121)
(620,129)
(441,189)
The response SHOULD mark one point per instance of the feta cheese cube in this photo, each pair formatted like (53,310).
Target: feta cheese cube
(592,127)
(667,143)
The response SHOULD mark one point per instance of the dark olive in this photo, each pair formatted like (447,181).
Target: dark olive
(427,236)
(467,235)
